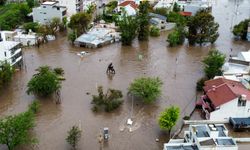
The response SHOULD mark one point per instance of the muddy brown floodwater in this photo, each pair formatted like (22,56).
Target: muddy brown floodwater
(85,74)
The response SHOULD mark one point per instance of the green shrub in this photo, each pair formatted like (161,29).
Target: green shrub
(154,31)
(149,89)
(200,83)
(109,101)
(74,135)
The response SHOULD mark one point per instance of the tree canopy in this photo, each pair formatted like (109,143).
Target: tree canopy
(6,73)
(128,26)
(147,88)
(143,20)
(240,30)
(79,22)
(213,64)
(202,28)
(177,37)
(13,15)
(44,83)
(14,130)
(168,118)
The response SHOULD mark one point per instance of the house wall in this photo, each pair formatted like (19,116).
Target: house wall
(12,58)
(230,109)
(45,13)
(128,9)
(73,6)
(25,41)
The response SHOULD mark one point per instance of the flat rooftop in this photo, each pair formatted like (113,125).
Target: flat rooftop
(181,147)
(208,142)
(227,142)
(49,3)
(201,131)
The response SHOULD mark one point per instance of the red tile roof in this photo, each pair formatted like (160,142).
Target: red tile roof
(221,90)
(184,13)
(131,3)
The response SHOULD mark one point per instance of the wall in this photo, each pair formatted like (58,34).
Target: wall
(230,109)
(43,15)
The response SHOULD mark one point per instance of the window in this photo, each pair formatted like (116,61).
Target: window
(58,8)
(5,54)
(44,6)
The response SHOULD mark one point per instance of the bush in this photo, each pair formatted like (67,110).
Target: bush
(59,71)
(44,83)
(109,101)
(240,30)
(6,73)
(15,130)
(186,118)
(149,89)
(177,37)
(154,31)
(74,135)
(200,83)
(161,11)
(34,107)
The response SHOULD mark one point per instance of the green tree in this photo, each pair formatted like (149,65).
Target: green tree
(44,83)
(14,130)
(161,11)
(168,118)
(30,3)
(6,73)
(177,18)
(177,37)
(74,135)
(79,22)
(110,101)
(154,31)
(44,30)
(128,27)
(143,18)
(72,36)
(31,26)
(147,88)
(213,64)
(176,8)
(240,30)
(202,28)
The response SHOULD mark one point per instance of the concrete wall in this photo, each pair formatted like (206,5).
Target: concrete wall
(45,13)
(72,6)
(230,109)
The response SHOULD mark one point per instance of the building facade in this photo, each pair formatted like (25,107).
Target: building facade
(48,10)
(225,98)
(203,137)
(73,6)
(11,52)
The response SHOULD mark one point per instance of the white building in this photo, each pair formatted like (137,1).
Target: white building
(73,6)
(164,4)
(225,98)
(7,35)
(203,137)
(47,11)
(11,52)
(129,7)
(29,39)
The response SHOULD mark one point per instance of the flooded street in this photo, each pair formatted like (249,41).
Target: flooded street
(85,74)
